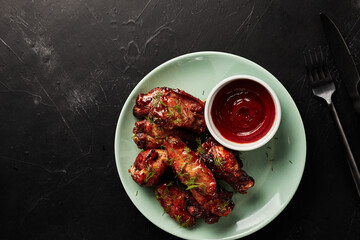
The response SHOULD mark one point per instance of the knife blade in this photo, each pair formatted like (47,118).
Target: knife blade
(343,59)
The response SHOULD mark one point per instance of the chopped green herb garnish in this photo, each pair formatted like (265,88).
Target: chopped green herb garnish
(200,148)
(156,99)
(188,156)
(219,162)
(290,161)
(154,104)
(170,161)
(192,186)
(150,172)
(158,95)
(224,205)
(136,193)
(203,92)
(187,150)
(162,103)
(182,169)
(178,218)
(171,113)
(177,121)
(191,183)
(167,209)
(186,223)
(150,119)
(178,107)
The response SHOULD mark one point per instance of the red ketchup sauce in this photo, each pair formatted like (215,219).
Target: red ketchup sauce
(243,111)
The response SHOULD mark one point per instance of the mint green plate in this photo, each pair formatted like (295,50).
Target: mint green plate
(276,167)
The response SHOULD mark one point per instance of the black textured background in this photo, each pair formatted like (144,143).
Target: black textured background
(67,67)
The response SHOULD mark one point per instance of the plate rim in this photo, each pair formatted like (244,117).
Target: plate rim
(196,54)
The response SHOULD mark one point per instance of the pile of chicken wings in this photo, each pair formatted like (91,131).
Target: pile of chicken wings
(181,160)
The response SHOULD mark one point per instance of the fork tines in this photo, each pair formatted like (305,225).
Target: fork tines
(316,66)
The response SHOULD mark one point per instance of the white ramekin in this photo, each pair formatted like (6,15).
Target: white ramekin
(234,145)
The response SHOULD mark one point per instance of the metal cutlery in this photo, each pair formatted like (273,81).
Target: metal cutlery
(324,87)
(343,59)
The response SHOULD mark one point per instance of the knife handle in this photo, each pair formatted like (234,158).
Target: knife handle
(352,164)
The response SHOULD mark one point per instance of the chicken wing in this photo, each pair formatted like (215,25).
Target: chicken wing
(148,167)
(181,205)
(224,165)
(171,108)
(175,202)
(193,173)
(148,135)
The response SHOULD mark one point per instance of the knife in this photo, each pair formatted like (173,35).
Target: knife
(343,59)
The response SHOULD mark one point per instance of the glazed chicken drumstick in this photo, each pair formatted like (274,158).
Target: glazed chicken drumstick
(171,108)
(148,135)
(193,173)
(181,205)
(224,165)
(148,167)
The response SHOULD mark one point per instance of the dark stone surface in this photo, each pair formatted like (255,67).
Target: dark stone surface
(67,67)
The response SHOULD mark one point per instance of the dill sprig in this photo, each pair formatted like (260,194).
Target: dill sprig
(167,209)
(186,223)
(219,162)
(151,119)
(158,95)
(177,121)
(199,148)
(171,113)
(150,172)
(170,161)
(178,218)
(156,99)
(162,103)
(178,107)
(224,205)
(188,156)
(182,169)
(191,183)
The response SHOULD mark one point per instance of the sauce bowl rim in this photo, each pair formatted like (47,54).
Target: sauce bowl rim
(234,145)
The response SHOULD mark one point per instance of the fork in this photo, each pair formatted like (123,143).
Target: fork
(323,86)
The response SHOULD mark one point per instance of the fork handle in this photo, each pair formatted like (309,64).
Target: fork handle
(352,164)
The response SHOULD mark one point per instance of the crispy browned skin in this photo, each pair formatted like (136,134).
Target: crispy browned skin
(171,108)
(181,206)
(198,211)
(148,167)
(196,176)
(224,165)
(174,201)
(148,135)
